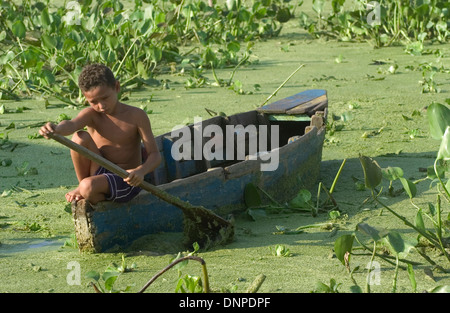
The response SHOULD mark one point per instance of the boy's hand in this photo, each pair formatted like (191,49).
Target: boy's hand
(135,177)
(47,129)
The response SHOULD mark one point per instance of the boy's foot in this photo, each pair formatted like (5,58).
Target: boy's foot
(73,195)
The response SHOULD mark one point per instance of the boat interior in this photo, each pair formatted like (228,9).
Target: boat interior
(233,140)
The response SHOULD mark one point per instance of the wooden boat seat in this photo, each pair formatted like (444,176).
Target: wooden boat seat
(306,102)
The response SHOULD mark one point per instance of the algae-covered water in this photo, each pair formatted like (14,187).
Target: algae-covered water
(377,113)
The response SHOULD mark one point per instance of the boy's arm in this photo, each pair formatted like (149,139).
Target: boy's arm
(136,176)
(68,127)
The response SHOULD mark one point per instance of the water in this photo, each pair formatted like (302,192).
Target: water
(31,245)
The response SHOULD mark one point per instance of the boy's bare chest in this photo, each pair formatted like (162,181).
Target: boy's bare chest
(115,131)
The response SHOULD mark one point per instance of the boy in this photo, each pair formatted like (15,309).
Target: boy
(115,131)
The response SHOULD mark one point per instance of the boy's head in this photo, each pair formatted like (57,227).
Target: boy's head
(96,75)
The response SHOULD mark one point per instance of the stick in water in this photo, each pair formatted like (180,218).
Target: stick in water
(282,85)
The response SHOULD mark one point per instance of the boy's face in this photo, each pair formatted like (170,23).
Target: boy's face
(103,99)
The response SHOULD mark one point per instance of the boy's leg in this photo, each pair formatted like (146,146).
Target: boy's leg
(92,188)
(82,165)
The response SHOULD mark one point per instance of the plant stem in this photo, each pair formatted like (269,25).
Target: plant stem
(254,287)
(270,197)
(407,223)
(370,267)
(337,176)
(189,257)
(215,75)
(244,59)
(439,227)
(282,85)
(329,196)
(394,283)
(116,72)
(386,258)
(318,199)
(439,178)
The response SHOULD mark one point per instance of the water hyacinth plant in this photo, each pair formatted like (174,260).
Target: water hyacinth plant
(43,48)
(435,236)
(381,22)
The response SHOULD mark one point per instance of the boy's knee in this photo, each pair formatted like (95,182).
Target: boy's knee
(80,137)
(93,188)
(86,188)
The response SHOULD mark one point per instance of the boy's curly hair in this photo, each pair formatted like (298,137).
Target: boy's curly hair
(95,75)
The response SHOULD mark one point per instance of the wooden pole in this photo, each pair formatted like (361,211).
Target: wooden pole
(214,222)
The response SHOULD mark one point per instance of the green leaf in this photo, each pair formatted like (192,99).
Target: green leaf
(432,209)
(231,4)
(398,245)
(155,54)
(318,6)
(18,29)
(409,187)
(321,287)
(45,19)
(93,275)
(412,277)
(256,213)
(5,58)
(396,242)
(342,245)
(5,162)
(251,196)
(438,119)
(283,15)
(234,46)
(369,230)
(179,266)
(392,173)
(49,42)
(30,58)
(444,149)
(440,289)
(68,44)
(431,173)
(210,56)
(111,42)
(355,289)
(372,171)
(419,220)
(110,278)
(301,200)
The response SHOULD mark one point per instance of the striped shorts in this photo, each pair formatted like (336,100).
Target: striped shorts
(120,191)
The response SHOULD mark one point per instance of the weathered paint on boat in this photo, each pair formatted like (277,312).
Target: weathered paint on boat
(220,188)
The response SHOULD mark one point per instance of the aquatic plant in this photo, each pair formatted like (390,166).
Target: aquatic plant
(439,122)
(44,49)
(109,277)
(380,22)
(280,251)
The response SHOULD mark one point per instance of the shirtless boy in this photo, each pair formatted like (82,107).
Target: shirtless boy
(115,131)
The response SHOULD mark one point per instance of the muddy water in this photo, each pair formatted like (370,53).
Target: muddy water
(377,113)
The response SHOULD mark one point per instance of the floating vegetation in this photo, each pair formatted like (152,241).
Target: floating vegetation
(44,49)
(381,23)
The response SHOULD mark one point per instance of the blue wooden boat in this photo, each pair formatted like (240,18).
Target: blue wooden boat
(216,184)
